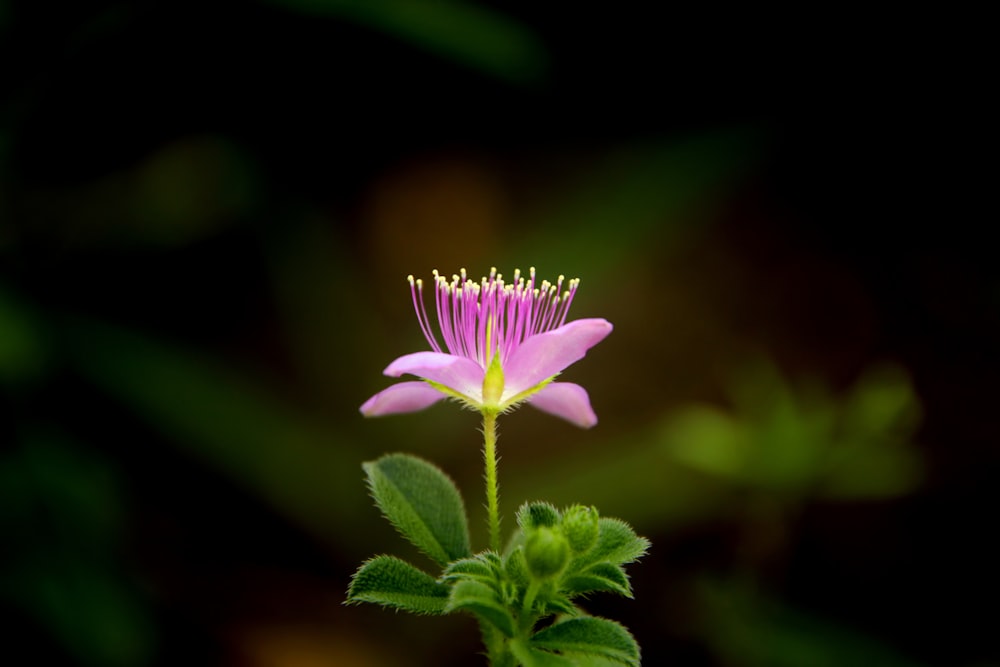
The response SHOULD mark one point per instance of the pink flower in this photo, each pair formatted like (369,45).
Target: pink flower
(505,345)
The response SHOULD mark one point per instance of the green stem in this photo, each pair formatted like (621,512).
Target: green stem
(496,645)
(490,456)
(527,618)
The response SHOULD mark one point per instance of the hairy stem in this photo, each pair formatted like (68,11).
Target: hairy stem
(492,496)
(496,646)
(527,617)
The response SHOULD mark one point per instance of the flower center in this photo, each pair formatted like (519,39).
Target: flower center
(480,320)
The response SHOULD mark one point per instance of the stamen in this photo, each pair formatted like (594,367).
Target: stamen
(479,320)
(417,291)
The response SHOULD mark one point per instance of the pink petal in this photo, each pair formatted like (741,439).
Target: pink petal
(402,397)
(542,356)
(459,374)
(567,400)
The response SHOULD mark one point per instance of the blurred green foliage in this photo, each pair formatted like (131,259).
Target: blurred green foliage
(806,442)
(788,446)
(650,193)
(472,34)
(192,283)
(228,420)
(747,629)
(22,353)
(61,518)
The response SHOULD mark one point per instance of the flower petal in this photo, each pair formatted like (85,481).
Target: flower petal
(461,375)
(567,400)
(545,355)
(402,397)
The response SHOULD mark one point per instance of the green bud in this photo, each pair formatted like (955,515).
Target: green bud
(579,525)
(533,515)
(546,552)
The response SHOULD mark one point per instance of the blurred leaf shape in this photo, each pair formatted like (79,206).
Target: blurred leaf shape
(746,629)
(636,195)
(790,441)
(180,193)
(22,353)
(75,491)
(228,420)
(476,36)
(789,446)
(60,517)
(190,188)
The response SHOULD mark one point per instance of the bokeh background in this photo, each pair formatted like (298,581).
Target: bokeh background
(207,214)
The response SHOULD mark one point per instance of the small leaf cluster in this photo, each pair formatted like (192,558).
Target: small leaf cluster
(554,558)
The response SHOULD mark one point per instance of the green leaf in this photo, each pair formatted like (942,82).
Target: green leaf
(589,635)
(516,568)
(422,503)
(391,582)
(481,600)
(533,515)
(529,656)
(560,604)
(617,543)
(599,577)
(476,568)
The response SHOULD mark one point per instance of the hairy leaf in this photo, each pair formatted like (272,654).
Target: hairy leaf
(517,569)
(589,635)
(602,576)
(476,568)
(482,601)
(391,582)
(422,503)
(560,604)
(617,543)
(528,656)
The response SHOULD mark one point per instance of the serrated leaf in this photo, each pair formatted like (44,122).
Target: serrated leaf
(491,558)
(593,661)
(516,569)
(560,604)
(528,656)
(476,568)
(533,515)
(422,503)
(617,543)
(589,635)
(391,582)
(481,600)
(598,577)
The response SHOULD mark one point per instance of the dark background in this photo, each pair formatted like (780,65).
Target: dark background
(207,214)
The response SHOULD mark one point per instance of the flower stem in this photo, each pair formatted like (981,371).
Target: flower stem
(490,457)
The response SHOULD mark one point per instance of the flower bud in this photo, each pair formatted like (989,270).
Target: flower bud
(579,525)
(533,515)
(546,552)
